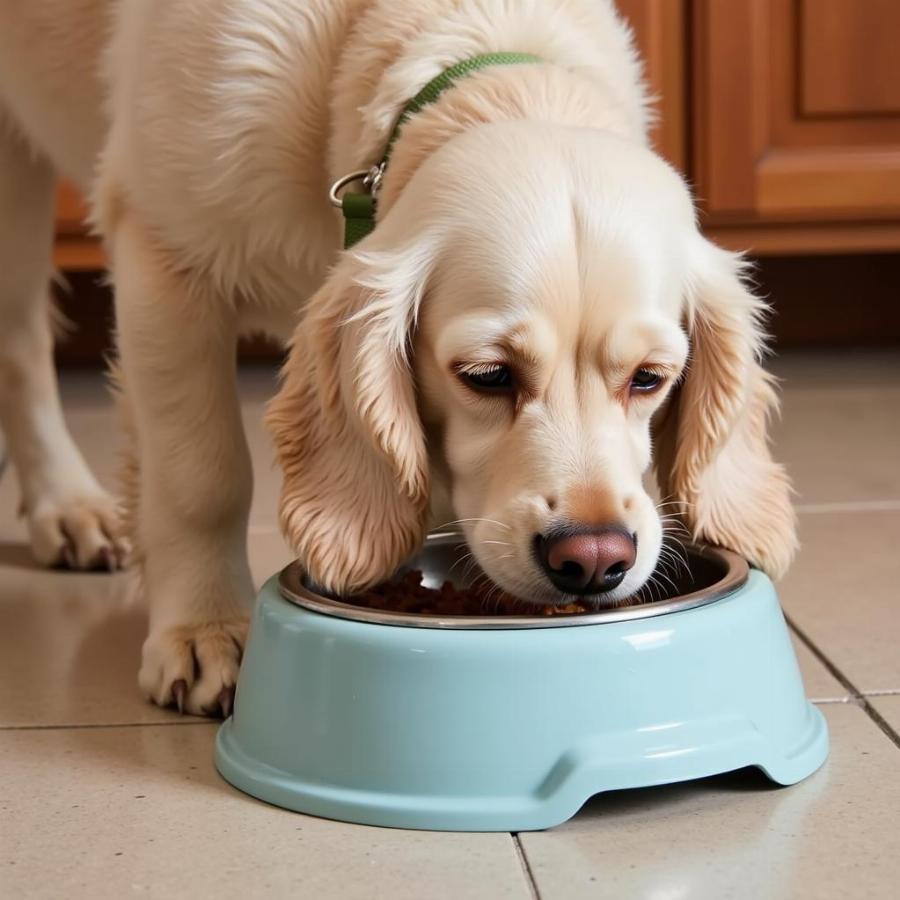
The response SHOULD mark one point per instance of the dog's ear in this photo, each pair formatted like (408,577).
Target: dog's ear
(345,425)
(712,452)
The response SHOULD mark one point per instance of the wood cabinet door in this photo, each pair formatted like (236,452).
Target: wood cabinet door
(797,121)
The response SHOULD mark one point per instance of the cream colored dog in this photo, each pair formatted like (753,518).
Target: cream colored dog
(535,303)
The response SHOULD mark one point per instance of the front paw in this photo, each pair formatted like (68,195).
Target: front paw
(194,667)
(79,532)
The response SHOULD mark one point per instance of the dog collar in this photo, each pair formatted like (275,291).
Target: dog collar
(359,207)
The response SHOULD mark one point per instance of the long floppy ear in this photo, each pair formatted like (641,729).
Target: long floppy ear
(345,425)
(711,438)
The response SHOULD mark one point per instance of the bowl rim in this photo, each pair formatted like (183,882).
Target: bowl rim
(737,571)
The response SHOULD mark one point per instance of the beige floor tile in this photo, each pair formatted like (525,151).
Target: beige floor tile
(835,370)
(839,431)
(820,684)
(92,420)
(70,648)
(268,553)
(108,813)
(70,643)
(93,423)
(833,836)
(844,593)
(888,705)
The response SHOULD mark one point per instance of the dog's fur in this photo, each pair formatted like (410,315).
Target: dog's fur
(523,220)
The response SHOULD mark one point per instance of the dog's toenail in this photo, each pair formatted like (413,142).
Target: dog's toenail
(226,701)
(109,559)
(179,689)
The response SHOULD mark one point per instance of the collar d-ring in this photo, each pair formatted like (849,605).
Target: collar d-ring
(371,179)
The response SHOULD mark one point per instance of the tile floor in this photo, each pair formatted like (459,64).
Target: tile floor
(104,796)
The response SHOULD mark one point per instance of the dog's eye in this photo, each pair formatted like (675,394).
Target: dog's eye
(492,379)
(645,380)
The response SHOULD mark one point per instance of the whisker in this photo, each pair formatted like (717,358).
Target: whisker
(673,545)
(677,550)
(676,547)
(471,565)
(474,519)
(674,524)
(463,558)
(663,574)
(678,559)
(649,585)
(668,501)
(677,566)
(645,592)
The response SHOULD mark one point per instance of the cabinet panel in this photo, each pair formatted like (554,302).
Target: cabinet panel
(765,151)
(849,64)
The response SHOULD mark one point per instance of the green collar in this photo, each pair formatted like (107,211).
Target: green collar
(359,207)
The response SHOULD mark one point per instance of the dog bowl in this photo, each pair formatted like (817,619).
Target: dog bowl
(511,723)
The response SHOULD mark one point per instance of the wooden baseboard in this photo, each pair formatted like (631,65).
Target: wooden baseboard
(78,253)
(832,301)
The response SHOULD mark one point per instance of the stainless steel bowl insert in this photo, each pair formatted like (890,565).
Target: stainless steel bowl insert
(714,573)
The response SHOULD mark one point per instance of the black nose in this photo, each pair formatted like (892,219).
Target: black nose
(587,563)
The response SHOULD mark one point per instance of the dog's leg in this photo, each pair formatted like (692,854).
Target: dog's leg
(71,520)
(195,480)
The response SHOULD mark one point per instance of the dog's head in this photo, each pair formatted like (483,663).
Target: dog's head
(534,313)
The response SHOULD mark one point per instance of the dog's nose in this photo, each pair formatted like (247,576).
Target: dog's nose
(589,563)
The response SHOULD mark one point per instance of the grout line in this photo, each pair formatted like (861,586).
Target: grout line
(881,722)
(526,866)
(109,725)
(822,658)
(856,696)
(849,506)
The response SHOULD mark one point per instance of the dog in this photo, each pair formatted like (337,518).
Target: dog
(534,320)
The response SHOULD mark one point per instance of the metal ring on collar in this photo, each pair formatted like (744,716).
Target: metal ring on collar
(341,183)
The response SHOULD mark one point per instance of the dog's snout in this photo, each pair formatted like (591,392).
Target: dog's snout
(587,563)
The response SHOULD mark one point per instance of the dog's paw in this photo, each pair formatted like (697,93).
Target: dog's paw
(194,667)
(80,532)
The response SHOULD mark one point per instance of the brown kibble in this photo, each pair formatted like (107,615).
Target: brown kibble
(407,594)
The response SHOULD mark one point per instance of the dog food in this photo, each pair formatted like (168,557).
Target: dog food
(407,594)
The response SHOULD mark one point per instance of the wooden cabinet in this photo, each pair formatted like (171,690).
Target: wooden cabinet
(796,123)
(785,115)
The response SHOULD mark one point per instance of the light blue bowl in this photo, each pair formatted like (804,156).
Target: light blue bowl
(512,724)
